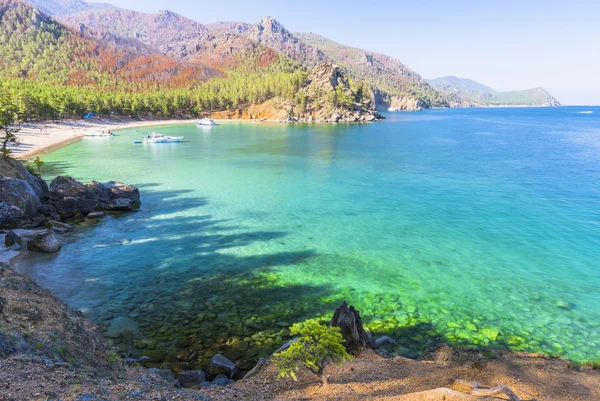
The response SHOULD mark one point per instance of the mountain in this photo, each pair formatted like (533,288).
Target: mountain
(56,7)
(395,85)
(160,64)
(392,84)
(462,92)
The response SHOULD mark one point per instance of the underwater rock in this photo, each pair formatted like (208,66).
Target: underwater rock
(220,364)
(121,325)
(191,378)
(46,242)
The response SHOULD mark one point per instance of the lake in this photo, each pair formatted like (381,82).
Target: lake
(476,227)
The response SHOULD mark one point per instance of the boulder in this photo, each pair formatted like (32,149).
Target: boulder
(17,192)
(46,241)
(11,216)
(118,190)
(58,227)
(220,364)
(191,378)
(120,204)
(49,211)
(13,241)
(70,197)
(222,380)
(10,167)
(163,375)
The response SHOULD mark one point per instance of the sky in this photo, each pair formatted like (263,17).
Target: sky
(507,44)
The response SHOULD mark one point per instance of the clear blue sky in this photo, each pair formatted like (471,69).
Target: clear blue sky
(504,44)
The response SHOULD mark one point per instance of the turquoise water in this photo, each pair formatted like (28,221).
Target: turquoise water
(475,227)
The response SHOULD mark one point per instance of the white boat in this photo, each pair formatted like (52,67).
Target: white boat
(206,122)
(103,132)
(158,138)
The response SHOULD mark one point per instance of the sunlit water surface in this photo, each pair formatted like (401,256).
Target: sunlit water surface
(475,227)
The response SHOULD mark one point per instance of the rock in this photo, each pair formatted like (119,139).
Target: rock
(95,215)
(70,197)
(370,117)
(119,204)
(10,167)
(49,211)
(118,190)
(11,216)
(220,364)
(192,378)
(58,227)
(163,374)
(46,242)
(221,380)
(17,192)
(13,241)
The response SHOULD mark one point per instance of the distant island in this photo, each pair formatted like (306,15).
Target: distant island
(462,92)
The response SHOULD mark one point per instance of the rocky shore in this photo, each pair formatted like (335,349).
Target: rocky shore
(33,213)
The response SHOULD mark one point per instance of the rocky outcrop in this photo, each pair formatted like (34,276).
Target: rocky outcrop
(17,192)
(327,96)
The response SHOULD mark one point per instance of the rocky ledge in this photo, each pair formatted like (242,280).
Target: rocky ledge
(31,212)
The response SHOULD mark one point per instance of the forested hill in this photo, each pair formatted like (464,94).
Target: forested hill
(396,85)
(50,70)
(55,7)
(392,83)
(463,92)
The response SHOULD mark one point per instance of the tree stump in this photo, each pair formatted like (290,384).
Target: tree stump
(350,324)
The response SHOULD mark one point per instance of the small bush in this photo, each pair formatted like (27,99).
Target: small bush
(317,345)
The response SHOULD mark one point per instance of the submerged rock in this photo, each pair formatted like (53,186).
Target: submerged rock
(121,325)
(119,204)
(46,242)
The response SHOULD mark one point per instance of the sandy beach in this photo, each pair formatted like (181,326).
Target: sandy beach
(35,139)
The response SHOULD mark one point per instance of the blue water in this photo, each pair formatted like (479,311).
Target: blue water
(478,227)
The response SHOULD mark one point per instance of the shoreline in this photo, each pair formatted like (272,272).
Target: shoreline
(39,138)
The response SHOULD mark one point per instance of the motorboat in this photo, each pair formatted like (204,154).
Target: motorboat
(102,132)
(158,138)
(206,122)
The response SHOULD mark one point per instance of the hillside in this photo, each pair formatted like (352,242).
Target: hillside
(160,64)
(395,85)
(463,92)
(56,7)
(168,33)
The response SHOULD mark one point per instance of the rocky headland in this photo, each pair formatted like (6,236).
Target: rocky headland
(327,96)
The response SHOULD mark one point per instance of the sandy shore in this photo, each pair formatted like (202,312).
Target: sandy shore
(35,139)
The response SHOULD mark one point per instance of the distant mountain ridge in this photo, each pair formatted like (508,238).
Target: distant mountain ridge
(462,92)
(225,45)
(57,7)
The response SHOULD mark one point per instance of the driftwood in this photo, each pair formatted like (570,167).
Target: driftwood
(501,389)
(355,336)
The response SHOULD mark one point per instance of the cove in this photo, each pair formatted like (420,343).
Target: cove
(476,227)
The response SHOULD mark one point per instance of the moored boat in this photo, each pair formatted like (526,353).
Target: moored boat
(102,132)
(158,138)
(206,122)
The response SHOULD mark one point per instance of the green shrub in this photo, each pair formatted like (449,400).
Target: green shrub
(317,345)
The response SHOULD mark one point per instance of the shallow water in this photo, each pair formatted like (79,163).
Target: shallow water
(476,227)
